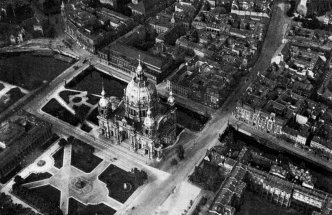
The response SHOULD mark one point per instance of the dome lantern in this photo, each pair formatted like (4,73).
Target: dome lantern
(103,102)
(139,69)
(149,121)
(171,99)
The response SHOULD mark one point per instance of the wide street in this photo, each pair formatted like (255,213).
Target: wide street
(195,150)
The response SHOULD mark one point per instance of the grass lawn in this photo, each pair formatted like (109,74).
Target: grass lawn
(54,108)
(65,95)
(83,159)
(36,177)
(81,110)
(93,116)
(77,208)
(58,158)
(255,205)
(114,178)
(48,193)
(93,99)
(86,128)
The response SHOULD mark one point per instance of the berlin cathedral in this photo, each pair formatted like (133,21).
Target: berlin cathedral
(139,121)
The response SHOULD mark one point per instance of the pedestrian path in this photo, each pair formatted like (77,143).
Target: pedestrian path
(36,184)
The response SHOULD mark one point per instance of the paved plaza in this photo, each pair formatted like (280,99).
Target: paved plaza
(73,182)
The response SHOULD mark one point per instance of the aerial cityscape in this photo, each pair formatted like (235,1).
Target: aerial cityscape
(166,107)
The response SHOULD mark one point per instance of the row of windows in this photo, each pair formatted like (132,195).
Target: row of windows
(142,113)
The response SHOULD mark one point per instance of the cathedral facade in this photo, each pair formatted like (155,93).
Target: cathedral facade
(139,121)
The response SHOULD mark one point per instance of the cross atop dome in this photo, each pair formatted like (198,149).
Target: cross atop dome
(139,69)
(103,102)
(103,93)
(173,19)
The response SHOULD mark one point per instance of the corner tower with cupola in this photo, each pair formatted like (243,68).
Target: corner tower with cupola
(139,121)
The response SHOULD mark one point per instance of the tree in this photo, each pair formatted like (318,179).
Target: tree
(174,162)
(62,142)
(18,180)
(140,176)
(180,152)
(52,32)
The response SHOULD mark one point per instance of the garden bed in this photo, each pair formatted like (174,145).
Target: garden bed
(81,112)
(54,108)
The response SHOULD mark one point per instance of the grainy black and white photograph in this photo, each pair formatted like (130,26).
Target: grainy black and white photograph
(165,107)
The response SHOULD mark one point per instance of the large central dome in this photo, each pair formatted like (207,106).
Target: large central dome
(140,94)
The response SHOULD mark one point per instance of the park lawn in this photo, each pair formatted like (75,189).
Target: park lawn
(93,99)
(48,193)
(93,116)
(54,108)
(114,178)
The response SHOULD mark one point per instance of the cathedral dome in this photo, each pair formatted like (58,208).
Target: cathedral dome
(140,92)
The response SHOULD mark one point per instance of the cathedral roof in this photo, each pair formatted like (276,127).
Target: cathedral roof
(139,90)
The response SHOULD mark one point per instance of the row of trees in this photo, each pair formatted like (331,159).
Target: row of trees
(9,208)
(140,176)
(208,178)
